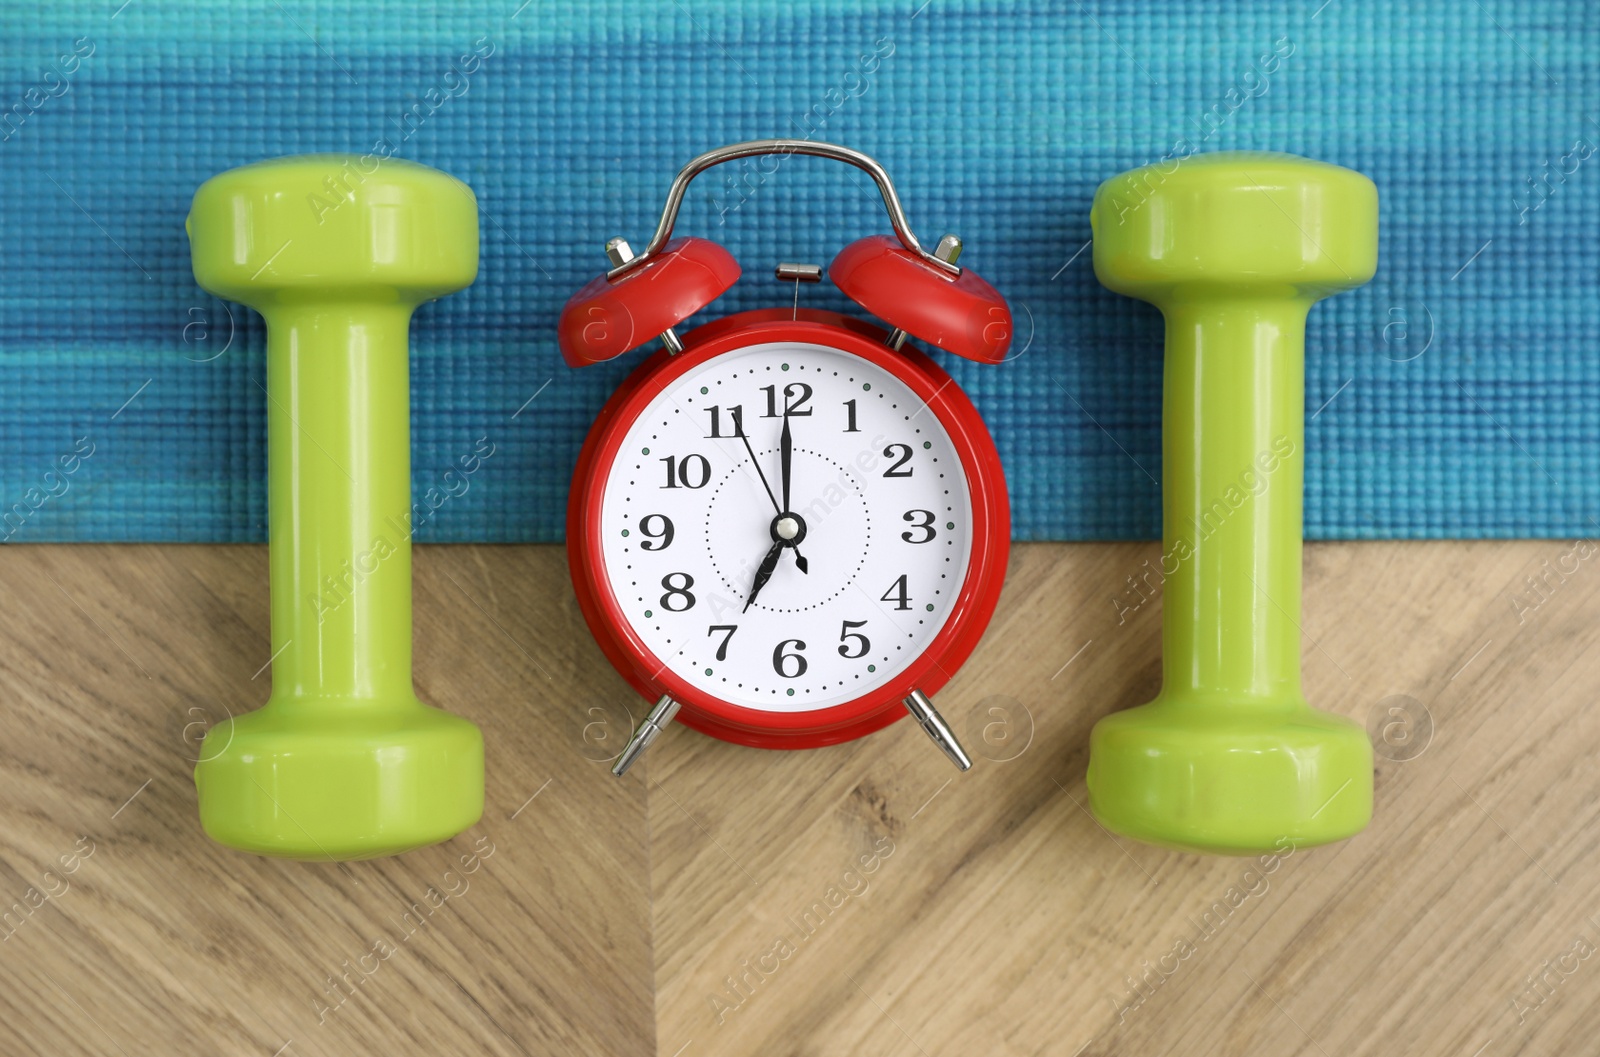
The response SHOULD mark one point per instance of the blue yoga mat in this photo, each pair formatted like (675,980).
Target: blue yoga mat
(1458,394)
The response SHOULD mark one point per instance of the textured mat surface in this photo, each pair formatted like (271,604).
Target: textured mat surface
(1456,395)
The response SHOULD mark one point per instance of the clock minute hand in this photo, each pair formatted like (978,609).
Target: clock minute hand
(785,456)
(764,573)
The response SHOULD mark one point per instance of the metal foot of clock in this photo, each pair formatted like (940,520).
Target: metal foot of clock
(918,705)
(645,733)
(916,702)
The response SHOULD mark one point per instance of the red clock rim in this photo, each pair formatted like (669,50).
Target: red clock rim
(929,671)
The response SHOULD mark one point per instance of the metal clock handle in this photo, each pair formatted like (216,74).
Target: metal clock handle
(758,147)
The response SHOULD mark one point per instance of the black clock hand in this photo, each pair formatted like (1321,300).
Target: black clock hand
(764,573)
(757,464)
(799,559)
(786,453)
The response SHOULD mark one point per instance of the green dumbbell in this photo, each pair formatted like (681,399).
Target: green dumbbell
(1234,249)
(336,252)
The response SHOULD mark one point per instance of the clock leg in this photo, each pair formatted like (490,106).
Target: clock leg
(919,706)
(660,715)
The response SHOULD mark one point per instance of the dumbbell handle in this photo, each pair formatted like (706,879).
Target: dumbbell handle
(339,482)
(1233,437)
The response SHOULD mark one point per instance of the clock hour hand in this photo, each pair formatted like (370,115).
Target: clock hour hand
(764,573)
(757,464)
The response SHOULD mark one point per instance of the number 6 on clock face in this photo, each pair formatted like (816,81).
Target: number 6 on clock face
(787,529)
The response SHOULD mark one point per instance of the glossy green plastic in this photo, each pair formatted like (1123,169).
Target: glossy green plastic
(1234,249)
(335,252)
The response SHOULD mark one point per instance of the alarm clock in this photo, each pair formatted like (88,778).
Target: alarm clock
(788,527)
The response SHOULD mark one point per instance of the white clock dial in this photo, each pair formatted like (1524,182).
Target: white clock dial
(881,515)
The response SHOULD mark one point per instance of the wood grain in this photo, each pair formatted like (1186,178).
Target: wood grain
(115,659)
(862,899)
(1007,922)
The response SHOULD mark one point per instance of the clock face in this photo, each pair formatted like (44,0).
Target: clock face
(878,512)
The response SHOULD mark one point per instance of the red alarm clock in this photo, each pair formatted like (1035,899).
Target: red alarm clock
(787,528)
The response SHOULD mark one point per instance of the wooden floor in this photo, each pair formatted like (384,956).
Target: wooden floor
(863,899)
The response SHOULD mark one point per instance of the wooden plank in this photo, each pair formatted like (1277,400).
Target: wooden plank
(925,912)
(160,942)
(1003,920)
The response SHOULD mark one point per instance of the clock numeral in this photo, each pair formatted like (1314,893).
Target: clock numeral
(780,659)
(684,473)
(662,534)
(897,594)
(850,417)
(845,635)
(921,520)
(678,591)
(795,397)
(735,413)
(904,457)
(729,629)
